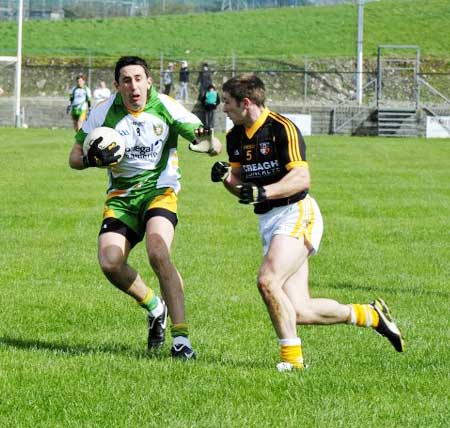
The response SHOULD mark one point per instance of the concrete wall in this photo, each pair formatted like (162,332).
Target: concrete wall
(50,112)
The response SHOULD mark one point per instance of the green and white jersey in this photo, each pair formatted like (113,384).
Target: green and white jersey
(79,98)
(151,138)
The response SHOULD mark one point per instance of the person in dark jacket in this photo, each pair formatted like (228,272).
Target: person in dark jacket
(184,81)
(204,80)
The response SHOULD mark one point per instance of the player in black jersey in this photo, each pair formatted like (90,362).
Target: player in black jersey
(267,168)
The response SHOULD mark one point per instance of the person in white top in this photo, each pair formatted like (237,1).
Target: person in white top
(101,93)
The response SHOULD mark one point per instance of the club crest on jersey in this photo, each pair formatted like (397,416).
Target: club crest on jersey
(265,148)
(158,129)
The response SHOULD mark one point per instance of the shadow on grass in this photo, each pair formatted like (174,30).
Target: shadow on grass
(61,349)
(73,350)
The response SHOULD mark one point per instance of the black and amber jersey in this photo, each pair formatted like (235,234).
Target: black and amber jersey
(266,152)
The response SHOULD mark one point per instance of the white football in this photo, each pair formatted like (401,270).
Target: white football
(109,136)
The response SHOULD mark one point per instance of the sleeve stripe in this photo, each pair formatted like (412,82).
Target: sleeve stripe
(294,142)
(280,119)
(297,164)
(294,150)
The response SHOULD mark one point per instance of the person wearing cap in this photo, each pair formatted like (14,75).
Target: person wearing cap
(184,81)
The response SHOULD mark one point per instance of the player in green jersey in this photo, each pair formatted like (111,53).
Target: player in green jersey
(142,193)
(80,102)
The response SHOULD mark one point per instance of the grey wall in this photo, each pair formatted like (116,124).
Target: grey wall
(50,112)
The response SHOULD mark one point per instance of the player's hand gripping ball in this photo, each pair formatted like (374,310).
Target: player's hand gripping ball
(103,147)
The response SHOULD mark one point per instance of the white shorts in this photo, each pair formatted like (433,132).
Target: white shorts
(302,218)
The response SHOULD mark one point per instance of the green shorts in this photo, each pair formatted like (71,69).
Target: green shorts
(78,112)
(135,210)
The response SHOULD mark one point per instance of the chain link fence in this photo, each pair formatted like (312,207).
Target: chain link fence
(310,81)
(304,85)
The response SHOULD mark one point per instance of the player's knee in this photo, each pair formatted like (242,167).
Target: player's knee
(111,262)
(265,284)
(158,259)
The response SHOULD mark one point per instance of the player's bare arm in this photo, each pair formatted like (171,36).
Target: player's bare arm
(295,181)
(76,157)
(233,180)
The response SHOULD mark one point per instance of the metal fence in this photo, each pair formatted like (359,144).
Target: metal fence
(296,86)
(307,81)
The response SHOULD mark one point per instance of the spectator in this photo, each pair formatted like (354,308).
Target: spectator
(168,79)
(204,80)
(101,93)
(210,101)
(184,81)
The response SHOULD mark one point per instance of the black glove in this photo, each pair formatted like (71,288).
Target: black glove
(251,194)
(220,171)
(101,157)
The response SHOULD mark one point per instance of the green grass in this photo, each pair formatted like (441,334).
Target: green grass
(325,31)
(72,347)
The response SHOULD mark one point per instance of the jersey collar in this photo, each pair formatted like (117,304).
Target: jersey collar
(250,132)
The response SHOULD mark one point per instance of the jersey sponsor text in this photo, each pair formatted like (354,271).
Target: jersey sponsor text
(261,169)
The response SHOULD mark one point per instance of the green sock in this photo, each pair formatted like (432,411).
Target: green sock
(150,301)
(179,330)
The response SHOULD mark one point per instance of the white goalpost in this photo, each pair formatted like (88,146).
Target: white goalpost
(7,76)
(17,60)
(18,79)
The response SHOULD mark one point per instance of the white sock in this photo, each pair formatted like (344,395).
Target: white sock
(181,340)
(352,316)
(158,310)
(290,342)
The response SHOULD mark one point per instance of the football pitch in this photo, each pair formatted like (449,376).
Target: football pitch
(72,348)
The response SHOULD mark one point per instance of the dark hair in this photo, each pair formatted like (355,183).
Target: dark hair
(211,87)
(246,86)
(81,76)
(130,60)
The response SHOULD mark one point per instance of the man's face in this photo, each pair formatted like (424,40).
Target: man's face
(234,110)
(133,86)
(80,82)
